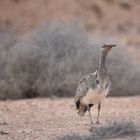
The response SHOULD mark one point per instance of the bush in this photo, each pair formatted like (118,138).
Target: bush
(49,64)
(120,129)
(55,57)
(7,41)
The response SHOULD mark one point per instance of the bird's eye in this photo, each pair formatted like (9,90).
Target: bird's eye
(97,81)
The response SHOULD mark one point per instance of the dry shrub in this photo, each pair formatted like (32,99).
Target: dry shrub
(119,129)
(125,5)
(7,41)
(55,57)
(97,10)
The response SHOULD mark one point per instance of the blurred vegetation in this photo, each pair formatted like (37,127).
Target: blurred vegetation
(120,129)
(54,58)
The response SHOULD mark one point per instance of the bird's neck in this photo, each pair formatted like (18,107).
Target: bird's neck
(102,63)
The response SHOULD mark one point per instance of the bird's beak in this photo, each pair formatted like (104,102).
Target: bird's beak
(113,45)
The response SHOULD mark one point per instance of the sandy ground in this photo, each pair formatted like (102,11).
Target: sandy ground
(47,119)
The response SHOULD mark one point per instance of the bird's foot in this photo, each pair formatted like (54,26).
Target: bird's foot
(98,123)
(91,126)
(91,123)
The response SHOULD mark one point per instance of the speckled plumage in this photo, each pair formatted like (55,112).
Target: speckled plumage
(86,82)
(94,87)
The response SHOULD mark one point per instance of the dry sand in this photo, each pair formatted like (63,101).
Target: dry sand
(47,119)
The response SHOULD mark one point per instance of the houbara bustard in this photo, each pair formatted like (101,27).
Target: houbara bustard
(94,87)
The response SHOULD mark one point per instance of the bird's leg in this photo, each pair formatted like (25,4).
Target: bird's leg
(88,108)
(99,108)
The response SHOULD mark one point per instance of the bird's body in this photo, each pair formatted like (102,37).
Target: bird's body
(87,91)
(94,97)
(93,87)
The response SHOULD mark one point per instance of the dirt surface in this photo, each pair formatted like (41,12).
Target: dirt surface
(47,119)
(96,15)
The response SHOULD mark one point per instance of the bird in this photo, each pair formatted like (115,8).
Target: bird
(94,87)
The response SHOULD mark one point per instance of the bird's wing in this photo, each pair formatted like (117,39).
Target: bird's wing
(86,82)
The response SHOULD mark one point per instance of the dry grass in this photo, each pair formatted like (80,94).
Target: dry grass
(110,130)
(46,118)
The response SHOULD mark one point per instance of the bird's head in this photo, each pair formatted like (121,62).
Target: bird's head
(106,48)
(82,110)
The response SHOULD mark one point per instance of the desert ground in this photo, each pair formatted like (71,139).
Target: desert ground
(48,119)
